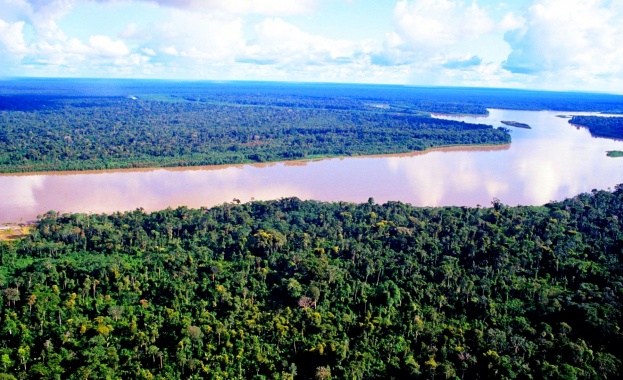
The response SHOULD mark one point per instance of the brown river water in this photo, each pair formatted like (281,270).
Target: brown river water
(552,161)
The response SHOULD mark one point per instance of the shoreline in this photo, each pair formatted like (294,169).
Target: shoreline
(474,115)
(11,231)
(441,148)
(22,221)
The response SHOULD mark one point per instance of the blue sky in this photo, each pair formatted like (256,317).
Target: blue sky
(537,44)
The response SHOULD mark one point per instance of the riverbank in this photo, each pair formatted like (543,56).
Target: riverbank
(310,158)
(12,231)
(453,176)
(516,124)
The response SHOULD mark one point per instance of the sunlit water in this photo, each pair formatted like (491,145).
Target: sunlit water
(551,161)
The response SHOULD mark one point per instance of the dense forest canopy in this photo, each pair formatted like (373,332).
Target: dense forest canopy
(64,124)
(301,289)
(100,133)
(610,127)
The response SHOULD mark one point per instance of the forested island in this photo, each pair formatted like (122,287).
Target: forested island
(516,124)
(615,153)
(301,289)
(601,126)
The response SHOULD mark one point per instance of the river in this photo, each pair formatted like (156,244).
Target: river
(551,161)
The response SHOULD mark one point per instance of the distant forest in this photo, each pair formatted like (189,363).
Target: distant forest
(611,127)
(104,133)
(292,289)
(63,124)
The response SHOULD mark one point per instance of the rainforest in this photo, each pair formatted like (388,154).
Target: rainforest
(65,124)
(290,288)
(600,126)
(301,289)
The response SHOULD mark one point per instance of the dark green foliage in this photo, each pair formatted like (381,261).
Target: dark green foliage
(601,126)
(65,124)
(273,289)
(516,124)
(101,133)
(615,153)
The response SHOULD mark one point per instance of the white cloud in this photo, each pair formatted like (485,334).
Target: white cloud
(277,41)
(43,15)
(198,36)
(170,50)
(463,63)
(579,38)
(12,37)
(130,31)
(511,21)
(99,49)
(561,44)
(54,9)
(148,52)
(265,7)
(429,33)
(437,23)
(197,39)
(105,46)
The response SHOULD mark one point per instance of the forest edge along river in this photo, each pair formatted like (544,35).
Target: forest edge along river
(551,161)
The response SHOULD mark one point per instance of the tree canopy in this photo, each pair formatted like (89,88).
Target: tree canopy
(302,289)
(611,127)
(103,133)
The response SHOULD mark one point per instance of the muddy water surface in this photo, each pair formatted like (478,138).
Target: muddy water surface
(551,161)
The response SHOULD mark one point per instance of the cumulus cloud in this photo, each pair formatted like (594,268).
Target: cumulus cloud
(277,41)
(148,51)
(463,63)
(194,35)
(428,31)
(105,46)
(433,42)
(170,50)
(432,23)
(53,9)
(43,15)
(12,37)
(568,36)
(47,50)
(198,36)
(511,21)
(266,7)
(100,51)
(49,45)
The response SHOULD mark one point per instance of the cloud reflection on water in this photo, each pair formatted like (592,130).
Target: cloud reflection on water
(549,162)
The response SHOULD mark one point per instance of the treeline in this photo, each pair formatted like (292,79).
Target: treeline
(301,289)
(77,133)
(601,126)
(462,100)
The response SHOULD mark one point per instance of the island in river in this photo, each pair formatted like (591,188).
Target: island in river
(516,124)
(601,126)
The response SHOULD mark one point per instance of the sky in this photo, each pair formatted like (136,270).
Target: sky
(560,45)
